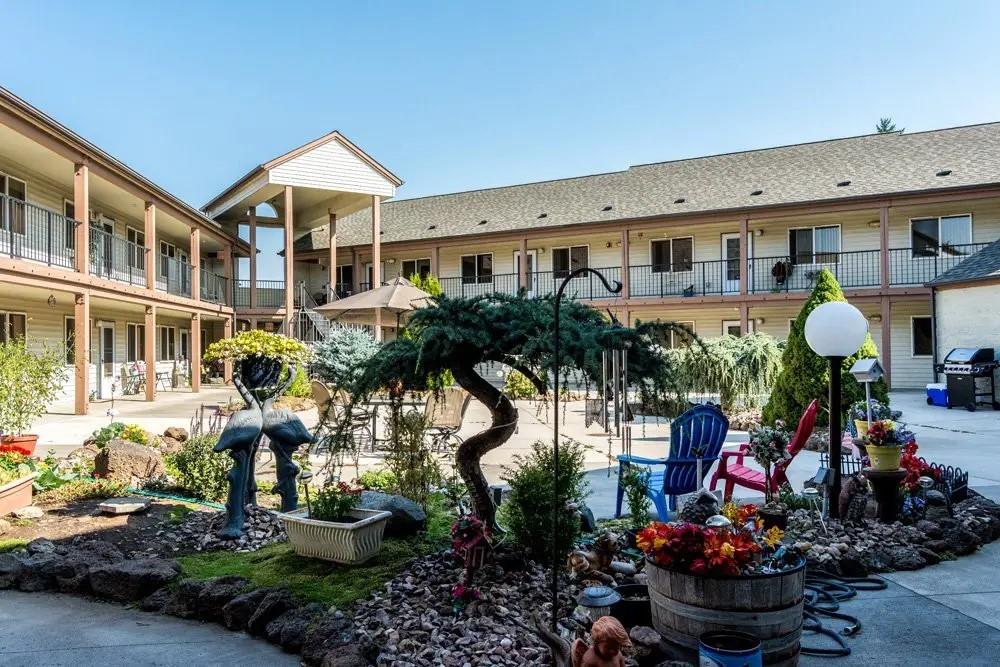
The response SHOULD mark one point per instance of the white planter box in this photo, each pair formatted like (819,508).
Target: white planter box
(348,543)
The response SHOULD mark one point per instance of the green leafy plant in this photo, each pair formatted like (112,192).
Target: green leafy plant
(256,342)
(379,480)
(102,436)
(340,359)
(198,470)
(14,465)
(518,387)
(409,458)
(334,502)
(634,482)
(427,283)
(299,388)
(528,507)
(83,489)
(806,376)
(29,382)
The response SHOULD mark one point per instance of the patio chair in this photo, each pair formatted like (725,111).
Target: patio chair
(703,427)
(132,379)
(445,414)
(737,474)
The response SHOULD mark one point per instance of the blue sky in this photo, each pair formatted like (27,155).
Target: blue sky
(456,96)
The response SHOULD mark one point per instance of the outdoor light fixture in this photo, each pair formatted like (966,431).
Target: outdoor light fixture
(758,232)
(596,601)
(718,521)
(51,300)
(759,320)
(835,330)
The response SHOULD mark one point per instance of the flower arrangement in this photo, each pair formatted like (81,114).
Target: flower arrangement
(769,446)
(258,343)
(887,433)
(739,515)
(335,501)
(859,411)
(687,547)
(915,468)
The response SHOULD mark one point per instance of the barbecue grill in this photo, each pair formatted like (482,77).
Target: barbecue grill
(969,372)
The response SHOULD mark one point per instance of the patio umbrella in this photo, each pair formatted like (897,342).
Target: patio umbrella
(398,296)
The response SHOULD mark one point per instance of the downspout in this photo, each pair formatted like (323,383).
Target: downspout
(934,333)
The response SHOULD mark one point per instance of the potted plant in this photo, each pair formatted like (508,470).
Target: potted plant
(17,473)
(259,355)
(884,444)
(859,410)
(334,528)
(29,382)
(768,446)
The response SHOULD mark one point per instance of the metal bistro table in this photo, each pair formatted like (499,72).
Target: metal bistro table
(383,401)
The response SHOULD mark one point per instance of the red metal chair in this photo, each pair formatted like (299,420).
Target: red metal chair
(737,474)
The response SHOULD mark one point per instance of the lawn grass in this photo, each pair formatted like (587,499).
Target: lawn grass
(12,544)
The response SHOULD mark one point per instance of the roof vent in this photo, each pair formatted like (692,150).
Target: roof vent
(843,184)
(607,208)
(432,227)
(482,222)
(944,172)
(756,192)
(680,200)
(542,215)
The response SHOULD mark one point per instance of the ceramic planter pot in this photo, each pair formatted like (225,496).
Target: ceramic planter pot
(861,426)
(257,372)
(771,519)
(633,609)
(15,495)
(22,444)
(883,458)
(348,543)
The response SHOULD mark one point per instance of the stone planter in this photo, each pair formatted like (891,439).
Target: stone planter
(883,458)
(16,494)
(348,543)
(22,444)
(768,606)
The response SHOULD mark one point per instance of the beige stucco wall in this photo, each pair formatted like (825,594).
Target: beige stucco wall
(968,317)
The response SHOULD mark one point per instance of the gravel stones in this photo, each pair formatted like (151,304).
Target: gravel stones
(198,531)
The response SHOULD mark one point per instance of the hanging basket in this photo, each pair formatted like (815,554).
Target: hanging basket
(257,372)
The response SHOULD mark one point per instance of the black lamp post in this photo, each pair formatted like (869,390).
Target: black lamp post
(556,509)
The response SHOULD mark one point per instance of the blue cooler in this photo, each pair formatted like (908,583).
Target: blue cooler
(937,394)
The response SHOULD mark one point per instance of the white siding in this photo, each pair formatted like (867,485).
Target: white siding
(332,167)
(968,317)
(908,371)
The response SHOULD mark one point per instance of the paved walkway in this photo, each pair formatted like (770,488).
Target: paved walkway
(50,630)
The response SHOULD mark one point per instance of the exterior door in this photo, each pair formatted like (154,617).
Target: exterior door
(731,263)
(532,263)
(105,360)
(732,327)
(184,340)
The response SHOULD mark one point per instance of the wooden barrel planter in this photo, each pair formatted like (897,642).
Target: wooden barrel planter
(768,606)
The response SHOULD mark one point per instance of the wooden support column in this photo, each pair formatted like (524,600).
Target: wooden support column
(81,353)
(744,258)
(522,264)
(195,352)
(333,255)
(252,215)
(883,232)
(196,263)
(227,365)
(886,351)
(81,213)
(626,288)
(150,356)
(150,240)
(377,257)
(356,262)
(289,260)
(436,261)
(227,272)
(744,318)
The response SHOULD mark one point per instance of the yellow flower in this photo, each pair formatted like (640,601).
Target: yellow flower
(727,550)
(731,511)
(773,536)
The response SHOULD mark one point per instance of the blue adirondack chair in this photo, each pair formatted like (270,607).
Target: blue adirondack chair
(701,426)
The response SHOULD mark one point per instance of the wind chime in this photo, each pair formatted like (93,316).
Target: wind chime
(610,409)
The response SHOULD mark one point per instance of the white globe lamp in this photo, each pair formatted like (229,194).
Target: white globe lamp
(835,330)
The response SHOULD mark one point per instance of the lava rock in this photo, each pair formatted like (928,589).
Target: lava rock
(329,635)
(128,462)
(929,528)
(905,558)
(132,580)
(217,593)
(289,630)
(10,570)
(184,601)
(237,612)
(38,571)
(408,518)
(176,432)
(347,656)
(273,605)
(961,541)
(157,601)
(73,574)
(168,445)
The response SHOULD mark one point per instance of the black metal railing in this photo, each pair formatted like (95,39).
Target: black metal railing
(270,293)
(585,287)
(854,269)
(173,275)
(916,266)
(344,289)
(461,287)
(32,232)
(213,286)
(116,258)
(686,279)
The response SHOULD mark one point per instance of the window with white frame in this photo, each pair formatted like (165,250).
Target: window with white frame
(672,255)
(69,339)
(135,346)
(137,249)
(416,267)
(13,211)
(13,326)
(944,236)
(922,336)
(567,260)
(814,245)
(477,268)
(682,338)
(166,344)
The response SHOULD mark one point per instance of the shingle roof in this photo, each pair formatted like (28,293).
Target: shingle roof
(983,265)
(870,165)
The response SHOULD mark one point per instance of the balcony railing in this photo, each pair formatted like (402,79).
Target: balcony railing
(270,293)
(32,232)
(854,269)
(213,287)
(585,287)
(462,287)
(173,275)
(685,279)
(116,258)
(916,266)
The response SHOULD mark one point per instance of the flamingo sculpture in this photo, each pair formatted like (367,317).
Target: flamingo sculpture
(240,438)
(286,433)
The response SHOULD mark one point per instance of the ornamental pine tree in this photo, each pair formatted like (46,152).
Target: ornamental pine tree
(805,375)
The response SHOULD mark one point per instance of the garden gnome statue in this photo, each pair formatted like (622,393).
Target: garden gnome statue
(608,639)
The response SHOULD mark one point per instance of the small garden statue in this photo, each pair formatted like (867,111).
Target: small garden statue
(608,640)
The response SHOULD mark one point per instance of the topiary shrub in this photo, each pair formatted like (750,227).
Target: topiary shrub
(517,387)
(805,375)
(527,510)
(198,470)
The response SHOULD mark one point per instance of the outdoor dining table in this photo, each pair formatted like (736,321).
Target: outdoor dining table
(381,401)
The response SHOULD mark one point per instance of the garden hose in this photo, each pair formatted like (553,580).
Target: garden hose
(823,595)
(171,496)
